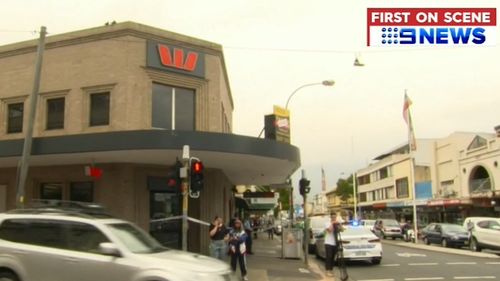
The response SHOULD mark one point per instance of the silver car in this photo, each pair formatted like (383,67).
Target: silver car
(358,243)
(62,246)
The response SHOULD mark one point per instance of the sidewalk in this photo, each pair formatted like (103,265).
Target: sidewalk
(421,245)
(266,263)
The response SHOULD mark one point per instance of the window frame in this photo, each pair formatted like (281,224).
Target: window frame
(86,111)
(107,120)
(173,103)
(47,108)
(7,116)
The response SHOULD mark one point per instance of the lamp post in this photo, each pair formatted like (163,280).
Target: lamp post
(327,83)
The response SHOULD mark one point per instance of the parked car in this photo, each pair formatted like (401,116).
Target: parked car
(60,245)
(369,224)
(359,243)
(484,233)
(446,234)
(316,226)
(385,228)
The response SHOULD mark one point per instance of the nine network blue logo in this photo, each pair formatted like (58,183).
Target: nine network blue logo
(431,26)
(432,35)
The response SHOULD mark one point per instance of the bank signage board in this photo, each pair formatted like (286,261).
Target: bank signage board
(168,57)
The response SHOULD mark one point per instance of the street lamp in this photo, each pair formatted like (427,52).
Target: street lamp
(327,83)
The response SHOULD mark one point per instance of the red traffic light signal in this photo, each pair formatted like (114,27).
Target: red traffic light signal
(196,182)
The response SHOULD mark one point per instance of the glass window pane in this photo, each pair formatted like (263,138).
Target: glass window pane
(82,191)
(162,107)
(51,191)
(184,109)
(15,117)
(99,109)
(84,237)
(38,232)
(55,113)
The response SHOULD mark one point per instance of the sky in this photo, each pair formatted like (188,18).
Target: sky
(273,47)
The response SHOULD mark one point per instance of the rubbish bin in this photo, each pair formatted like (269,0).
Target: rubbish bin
(292,243)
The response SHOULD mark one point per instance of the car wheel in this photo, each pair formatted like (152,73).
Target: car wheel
(376,261)
(8,276)
(473,245)
(426,241)
(444,243)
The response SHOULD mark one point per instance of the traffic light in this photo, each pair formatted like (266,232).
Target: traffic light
(304,186)
(174,176)
(196,175)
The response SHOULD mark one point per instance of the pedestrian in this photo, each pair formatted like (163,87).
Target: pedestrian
(237,248)
(218,234)
(332,230)
(248,229)
(233,219)
(270,230)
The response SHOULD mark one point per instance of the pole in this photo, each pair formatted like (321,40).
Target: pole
(306,227)
(414,203)
(185,193)
(28,139)
(355,196)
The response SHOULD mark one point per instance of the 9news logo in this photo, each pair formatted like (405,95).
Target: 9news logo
(431,26)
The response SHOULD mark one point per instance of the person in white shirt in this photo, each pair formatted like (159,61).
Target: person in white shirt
(332,229)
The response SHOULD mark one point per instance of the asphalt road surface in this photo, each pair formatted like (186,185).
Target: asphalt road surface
(407,264)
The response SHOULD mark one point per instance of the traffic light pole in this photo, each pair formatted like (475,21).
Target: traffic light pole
(306,225)
(185,194)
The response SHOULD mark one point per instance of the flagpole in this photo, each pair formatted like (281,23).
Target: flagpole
(412,146)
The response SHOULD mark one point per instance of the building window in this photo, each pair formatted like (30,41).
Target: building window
(384,173)
(362,197)
(99,109)
(173,108)
(15,112)
(402,188)
(364,179)
(81,191)
(51,191)
(55,113)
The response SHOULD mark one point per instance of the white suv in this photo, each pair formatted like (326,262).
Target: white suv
(484,233)
(52,245)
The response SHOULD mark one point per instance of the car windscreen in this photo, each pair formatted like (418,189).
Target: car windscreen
(390,223)
(453,228)
(136,240)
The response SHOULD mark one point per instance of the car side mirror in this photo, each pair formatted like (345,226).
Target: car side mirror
(109,249)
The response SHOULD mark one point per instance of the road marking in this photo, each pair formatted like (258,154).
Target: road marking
(424,263)
(493,263)
(407,255)
(457,263)
(424,278)
(377,280)
(303,270)
(391,264)
(473,277)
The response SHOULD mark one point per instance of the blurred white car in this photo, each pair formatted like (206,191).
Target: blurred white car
(359,243)
(316,227)
(369,224)
(484,233)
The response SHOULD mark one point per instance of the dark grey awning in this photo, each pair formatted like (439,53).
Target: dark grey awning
(245,160)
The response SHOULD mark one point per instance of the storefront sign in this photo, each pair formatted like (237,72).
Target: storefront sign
(282,124)
(379,205)
(444,202)
(175,59)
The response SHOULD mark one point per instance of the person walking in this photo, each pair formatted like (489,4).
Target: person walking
(248,229)
(237,248)
(270,230)
(218,234)
(332,230)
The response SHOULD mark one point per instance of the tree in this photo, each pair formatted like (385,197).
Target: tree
(344,188)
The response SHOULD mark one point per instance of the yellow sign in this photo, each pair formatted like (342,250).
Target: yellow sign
(282,124)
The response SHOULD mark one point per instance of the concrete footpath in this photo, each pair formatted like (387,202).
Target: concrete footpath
(436,248)
(266,263)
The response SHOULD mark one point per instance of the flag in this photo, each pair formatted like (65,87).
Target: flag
(323,180)
(412,143)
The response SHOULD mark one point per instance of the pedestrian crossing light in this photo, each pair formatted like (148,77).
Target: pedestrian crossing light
(304,186)
(196,175)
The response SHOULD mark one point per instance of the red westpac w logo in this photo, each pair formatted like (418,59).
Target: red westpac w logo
(177,59)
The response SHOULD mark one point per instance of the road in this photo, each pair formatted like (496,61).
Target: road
(401,263)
